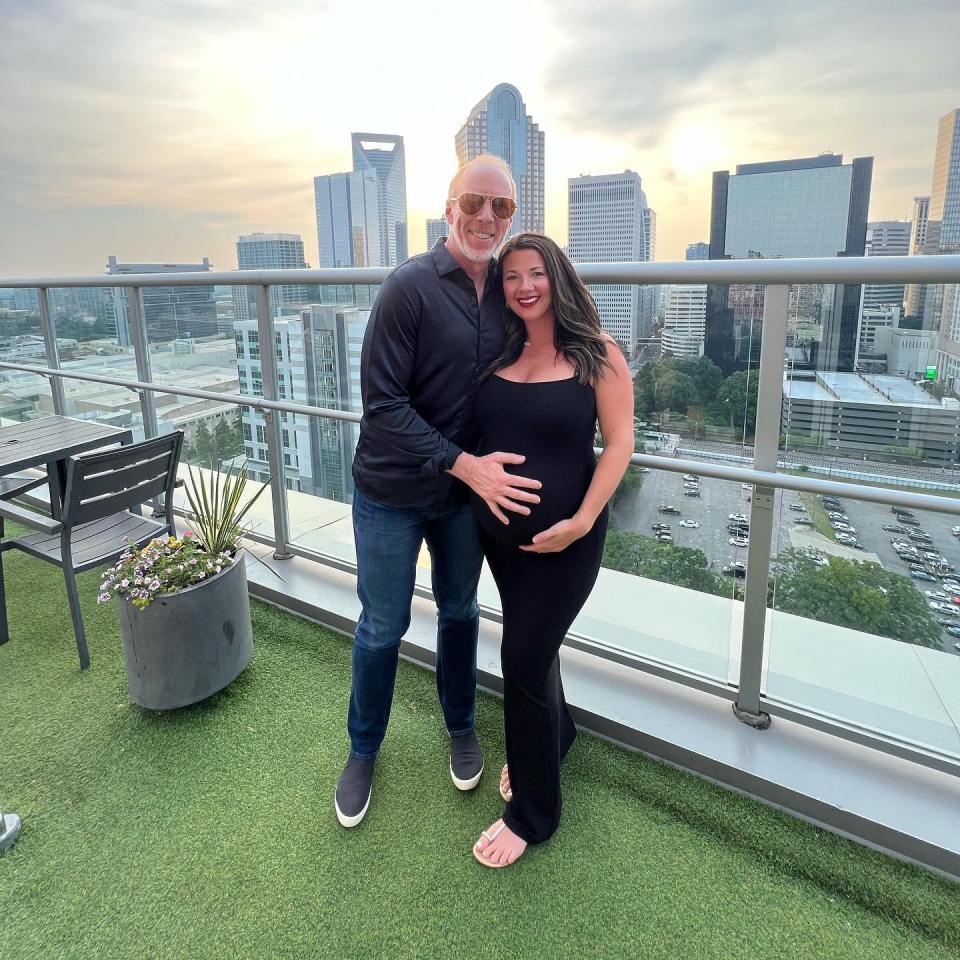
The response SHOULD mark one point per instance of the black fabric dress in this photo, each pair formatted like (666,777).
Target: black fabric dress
(552,424)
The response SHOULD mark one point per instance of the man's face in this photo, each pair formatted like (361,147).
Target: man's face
(478,238)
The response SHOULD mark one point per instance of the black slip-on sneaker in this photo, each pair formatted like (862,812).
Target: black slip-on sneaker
(466,761)
(353,791)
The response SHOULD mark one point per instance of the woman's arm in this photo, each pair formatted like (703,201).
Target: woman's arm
(614,392)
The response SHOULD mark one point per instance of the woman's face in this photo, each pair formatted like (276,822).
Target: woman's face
(526,285)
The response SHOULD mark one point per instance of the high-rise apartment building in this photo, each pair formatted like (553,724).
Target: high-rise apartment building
(270,251)
(317,355)
(170,312)
(808,207)
(697,251)
(382,153)
(436,228)
(499,124)
(684,321)
(608,220)
(943,237)
(914,296)
(886,238)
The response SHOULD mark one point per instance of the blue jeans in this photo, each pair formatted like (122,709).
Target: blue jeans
(388,541)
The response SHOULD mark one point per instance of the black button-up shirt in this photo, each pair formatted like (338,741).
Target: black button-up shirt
(427,344)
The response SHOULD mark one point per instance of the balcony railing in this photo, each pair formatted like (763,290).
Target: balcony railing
(745,677)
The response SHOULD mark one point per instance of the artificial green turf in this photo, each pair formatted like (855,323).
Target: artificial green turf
(210,832)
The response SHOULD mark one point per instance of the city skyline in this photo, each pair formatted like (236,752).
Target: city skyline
(158,144)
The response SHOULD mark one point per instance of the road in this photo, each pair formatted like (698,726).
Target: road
(719,498)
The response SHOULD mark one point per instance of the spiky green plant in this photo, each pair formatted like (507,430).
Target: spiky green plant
(217,507)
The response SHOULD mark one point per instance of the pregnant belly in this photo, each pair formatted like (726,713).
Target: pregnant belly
(560,497)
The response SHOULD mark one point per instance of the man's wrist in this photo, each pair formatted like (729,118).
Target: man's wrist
(461,468)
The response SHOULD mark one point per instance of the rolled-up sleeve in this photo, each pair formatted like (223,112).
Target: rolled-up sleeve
(386,377)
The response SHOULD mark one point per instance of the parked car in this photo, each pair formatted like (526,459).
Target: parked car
(841,527)
(739,542)
(846,539)
(798,507)
(735,569)
(668,508)
(738,516)
(955,530)
(692,492)
(657,527)
(691,478)
(939,606)
(952,585)
(954,632)
(909,521)
(946,621)
(922,574)
(901,511)
(643,469)
(802,522)
(892,528)
(664,536)
(746,486)
(818,558)
(690,524)
(838,516)
(936,595)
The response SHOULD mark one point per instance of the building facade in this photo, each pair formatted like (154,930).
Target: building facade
(500,125)
(435,230)
(943,237)
(914,295)
(269,251)
(808,207)
(697,251)
(685,320)
(170,312)
(383,154)
(886,238)
(609,220)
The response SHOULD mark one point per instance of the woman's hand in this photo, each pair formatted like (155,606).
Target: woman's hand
(559,536)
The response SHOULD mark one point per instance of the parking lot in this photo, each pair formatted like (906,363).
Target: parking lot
(720,498)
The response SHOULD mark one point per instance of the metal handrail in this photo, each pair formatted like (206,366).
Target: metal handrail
(781,481)
(933,269)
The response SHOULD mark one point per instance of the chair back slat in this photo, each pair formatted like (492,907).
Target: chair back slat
(101,484)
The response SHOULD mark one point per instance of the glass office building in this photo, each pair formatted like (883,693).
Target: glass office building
(808,207)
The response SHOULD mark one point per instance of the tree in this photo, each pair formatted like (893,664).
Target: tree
(674,383)
(632,481)
(736,393)
(705,375)
(642,556)
(228,438)
(849,593)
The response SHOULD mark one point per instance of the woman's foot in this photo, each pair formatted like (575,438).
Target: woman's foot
(505,790)
(498,846)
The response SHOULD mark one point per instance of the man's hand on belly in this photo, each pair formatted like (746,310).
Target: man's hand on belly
(500,490)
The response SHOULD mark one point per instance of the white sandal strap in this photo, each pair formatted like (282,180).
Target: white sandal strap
(490,837)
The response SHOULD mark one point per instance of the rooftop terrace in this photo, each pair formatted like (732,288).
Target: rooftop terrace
(209,832)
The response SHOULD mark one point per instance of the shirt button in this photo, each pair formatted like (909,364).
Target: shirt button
(473,300)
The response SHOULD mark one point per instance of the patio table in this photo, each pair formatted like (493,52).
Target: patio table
(52,441)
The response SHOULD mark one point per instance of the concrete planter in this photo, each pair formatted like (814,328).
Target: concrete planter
(186,646)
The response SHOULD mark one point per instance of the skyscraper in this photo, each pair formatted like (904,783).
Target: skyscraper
(609,220)
(684,320)
(915,294)
(886,238)
(170,312)
(943,237)
(698,251)
(499,124)
(382,153)
(269,251)
(435,230)
(809,207)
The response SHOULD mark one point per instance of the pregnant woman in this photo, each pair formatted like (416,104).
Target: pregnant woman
(559,373)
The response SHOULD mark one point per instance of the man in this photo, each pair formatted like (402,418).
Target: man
(435,328)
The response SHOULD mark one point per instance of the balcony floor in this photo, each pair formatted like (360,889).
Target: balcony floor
(209,832)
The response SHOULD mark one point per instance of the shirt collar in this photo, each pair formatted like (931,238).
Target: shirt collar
(445,262)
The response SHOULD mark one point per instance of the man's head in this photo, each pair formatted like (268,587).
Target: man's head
(475,237)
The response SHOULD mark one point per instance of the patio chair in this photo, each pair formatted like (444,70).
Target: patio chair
(19,483)
(101,492)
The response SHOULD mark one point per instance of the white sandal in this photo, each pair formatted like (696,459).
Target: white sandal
(506,794)
(490,836)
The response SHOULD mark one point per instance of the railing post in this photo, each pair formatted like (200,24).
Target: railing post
(57,392)
(268,367)
(766,442)
(141,353)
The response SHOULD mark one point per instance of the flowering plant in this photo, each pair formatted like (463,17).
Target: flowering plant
(164,565)
(171,564)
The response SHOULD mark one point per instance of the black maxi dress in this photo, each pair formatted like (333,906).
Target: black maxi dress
(553,424)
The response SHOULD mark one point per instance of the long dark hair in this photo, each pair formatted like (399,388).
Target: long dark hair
(577,332)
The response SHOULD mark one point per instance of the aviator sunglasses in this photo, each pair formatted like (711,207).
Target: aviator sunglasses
(472,203)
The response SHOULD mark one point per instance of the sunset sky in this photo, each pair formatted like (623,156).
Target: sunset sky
(160,131)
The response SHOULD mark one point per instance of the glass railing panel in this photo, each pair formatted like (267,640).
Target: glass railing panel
(93,337)
(865,624)
(673,572)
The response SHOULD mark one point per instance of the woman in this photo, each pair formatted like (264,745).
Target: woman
(559,372)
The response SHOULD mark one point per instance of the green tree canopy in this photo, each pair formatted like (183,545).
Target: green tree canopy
(736,393)
(642,556)
(674,383)
(849,593)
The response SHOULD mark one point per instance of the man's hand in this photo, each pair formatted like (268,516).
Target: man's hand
(558,537)
(500,490)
